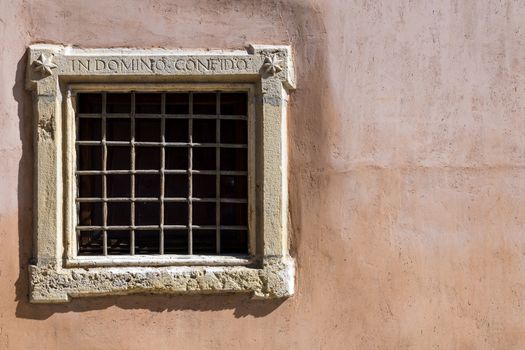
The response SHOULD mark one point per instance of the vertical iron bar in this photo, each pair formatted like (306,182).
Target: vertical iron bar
(190,180)
(132,205)
(104,177)
(218,174)
(162,167)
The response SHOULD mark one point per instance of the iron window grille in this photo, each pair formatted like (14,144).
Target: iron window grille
(162,173)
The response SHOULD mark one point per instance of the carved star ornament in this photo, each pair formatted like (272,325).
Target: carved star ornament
(272,64)
(45,64)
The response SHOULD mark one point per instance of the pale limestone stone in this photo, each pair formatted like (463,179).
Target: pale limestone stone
(58,274)
(50,284)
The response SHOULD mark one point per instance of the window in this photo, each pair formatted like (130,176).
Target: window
(160,171)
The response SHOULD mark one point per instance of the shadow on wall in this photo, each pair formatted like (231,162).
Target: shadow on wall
(305,31)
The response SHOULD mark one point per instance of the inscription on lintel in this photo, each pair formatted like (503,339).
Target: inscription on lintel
(158,64)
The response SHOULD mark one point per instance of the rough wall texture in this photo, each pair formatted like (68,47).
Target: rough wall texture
(407,176)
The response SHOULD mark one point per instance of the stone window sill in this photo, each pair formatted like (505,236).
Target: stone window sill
(275,279)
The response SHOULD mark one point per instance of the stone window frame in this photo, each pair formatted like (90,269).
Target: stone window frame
(55,72)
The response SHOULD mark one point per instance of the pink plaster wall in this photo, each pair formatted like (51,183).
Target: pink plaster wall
(407,168)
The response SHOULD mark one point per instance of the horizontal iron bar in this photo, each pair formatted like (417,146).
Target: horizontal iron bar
(130,227)
(165,144)
(167,116)
(221,172)
(222,227)
(213,200)
(154,199)
(167,171)
(157,227)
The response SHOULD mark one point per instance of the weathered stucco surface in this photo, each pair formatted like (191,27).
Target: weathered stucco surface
(407,169)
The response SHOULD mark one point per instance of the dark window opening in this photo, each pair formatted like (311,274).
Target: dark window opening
(162,173)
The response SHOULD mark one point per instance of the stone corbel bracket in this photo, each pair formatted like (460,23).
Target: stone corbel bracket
(56,273)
